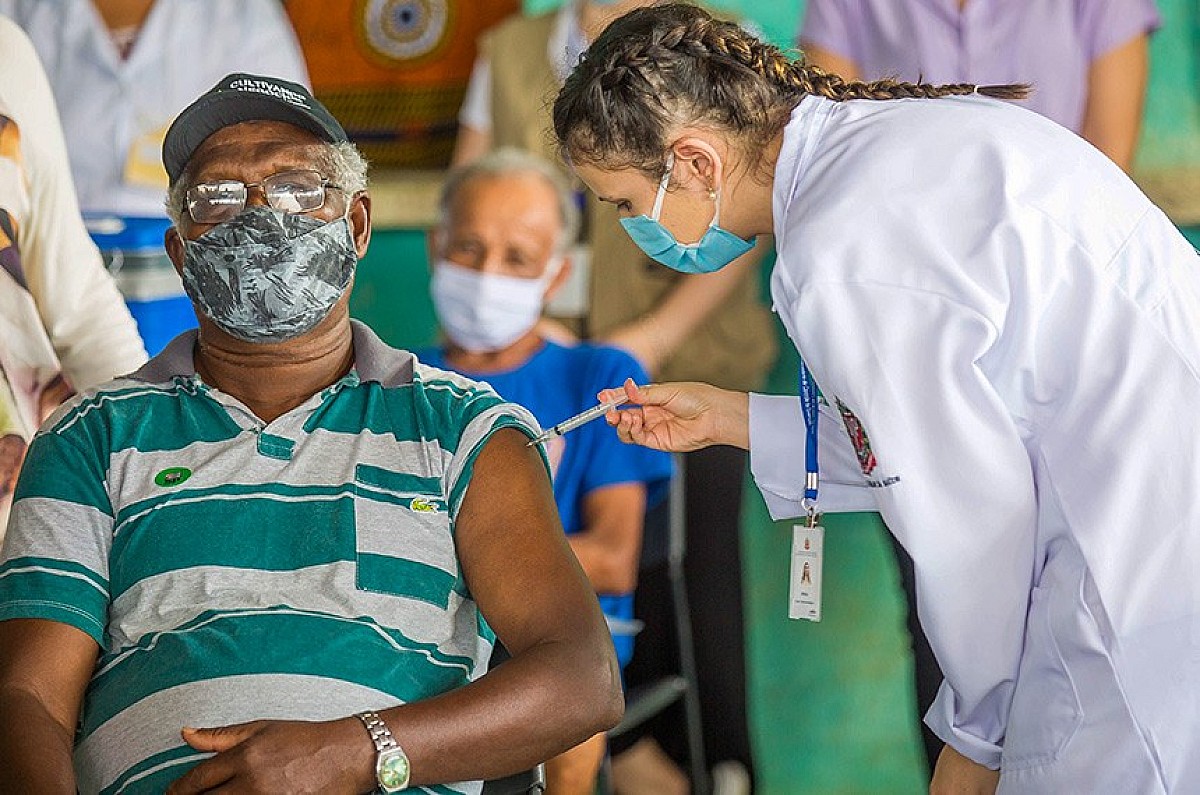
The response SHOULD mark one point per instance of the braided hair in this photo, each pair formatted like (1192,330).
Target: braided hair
(671,64)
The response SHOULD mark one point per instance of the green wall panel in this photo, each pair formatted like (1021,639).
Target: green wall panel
(391,290)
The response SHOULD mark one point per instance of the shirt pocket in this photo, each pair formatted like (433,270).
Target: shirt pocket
(1045,710)
(403,537)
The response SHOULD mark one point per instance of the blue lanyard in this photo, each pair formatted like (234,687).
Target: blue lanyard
(808,404)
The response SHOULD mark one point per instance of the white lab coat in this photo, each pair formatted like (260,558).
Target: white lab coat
(1012,330)
(115,112)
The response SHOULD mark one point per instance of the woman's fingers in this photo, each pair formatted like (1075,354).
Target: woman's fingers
(634,394)
(629,392)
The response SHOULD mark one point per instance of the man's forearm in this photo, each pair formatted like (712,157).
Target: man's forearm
(35,751)
(552,697)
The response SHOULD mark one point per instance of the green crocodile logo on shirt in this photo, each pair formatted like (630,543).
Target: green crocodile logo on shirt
(421,505)
(172,476)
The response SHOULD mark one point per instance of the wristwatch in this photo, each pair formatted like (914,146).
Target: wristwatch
(391,763)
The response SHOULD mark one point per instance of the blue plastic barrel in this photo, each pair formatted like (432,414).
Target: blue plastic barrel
(134,254)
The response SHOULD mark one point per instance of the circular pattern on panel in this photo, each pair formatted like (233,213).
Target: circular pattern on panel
(403,30)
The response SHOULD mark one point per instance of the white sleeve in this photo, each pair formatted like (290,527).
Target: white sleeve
(83,313)
(777,442)
(961,495)
(476,111)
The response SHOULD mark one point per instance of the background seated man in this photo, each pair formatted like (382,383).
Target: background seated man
(507,222)
(282,528)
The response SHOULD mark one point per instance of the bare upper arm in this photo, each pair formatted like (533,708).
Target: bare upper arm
(1115,93)
(470,145)
(831,62)
(49,660)
(513,552)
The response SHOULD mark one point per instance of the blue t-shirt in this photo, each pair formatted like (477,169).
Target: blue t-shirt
(558,382)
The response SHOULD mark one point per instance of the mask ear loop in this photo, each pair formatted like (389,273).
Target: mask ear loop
(662,186)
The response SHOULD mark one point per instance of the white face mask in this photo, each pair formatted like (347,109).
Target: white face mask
(483,312)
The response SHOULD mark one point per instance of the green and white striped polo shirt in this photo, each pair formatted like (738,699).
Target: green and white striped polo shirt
(233,570)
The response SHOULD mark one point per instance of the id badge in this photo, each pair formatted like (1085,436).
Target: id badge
(808,553)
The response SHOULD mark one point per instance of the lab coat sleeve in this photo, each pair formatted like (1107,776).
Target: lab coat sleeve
(960,494)
(777,441)
(83,313)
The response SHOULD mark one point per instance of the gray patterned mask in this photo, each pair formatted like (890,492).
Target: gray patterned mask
(269,276)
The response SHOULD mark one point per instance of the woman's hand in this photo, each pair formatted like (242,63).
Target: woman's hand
(680,417)
(955,774)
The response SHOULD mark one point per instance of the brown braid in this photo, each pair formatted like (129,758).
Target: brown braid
(673,64)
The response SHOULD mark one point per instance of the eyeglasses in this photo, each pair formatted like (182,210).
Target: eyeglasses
(301,191)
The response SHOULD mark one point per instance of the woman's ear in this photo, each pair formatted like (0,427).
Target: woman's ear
(697,163)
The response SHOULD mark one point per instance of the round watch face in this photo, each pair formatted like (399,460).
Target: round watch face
(392,771)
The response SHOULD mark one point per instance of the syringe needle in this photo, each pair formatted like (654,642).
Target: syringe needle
(582,418)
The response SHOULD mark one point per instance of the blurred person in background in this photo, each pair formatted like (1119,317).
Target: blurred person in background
(501,249)
(1086,60)
(710,327)
(62,323)
(121,70)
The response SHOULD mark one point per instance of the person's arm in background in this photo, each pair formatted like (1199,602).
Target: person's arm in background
(1116,36)
(831,62)
(655,336)
(84,315)
(1116,92)
(611,540)
(475,119)
(44,669)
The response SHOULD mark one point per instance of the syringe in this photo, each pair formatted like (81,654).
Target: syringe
(582,418)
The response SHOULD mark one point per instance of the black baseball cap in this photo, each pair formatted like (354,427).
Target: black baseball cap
(243,97)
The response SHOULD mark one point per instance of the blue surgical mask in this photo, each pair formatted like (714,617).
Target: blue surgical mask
(716,249)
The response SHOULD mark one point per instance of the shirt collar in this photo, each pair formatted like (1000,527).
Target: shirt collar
(374,360)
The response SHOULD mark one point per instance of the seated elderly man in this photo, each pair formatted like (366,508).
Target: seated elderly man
(500,249)
(264,561)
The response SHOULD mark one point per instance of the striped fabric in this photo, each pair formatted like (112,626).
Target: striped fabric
(233,570)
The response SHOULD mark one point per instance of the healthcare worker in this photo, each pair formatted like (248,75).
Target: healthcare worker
(1005,334)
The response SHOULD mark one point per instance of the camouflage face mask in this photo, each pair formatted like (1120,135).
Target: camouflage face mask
(269,276)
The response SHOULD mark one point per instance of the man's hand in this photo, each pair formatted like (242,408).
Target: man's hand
(281,757)
(955,774)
